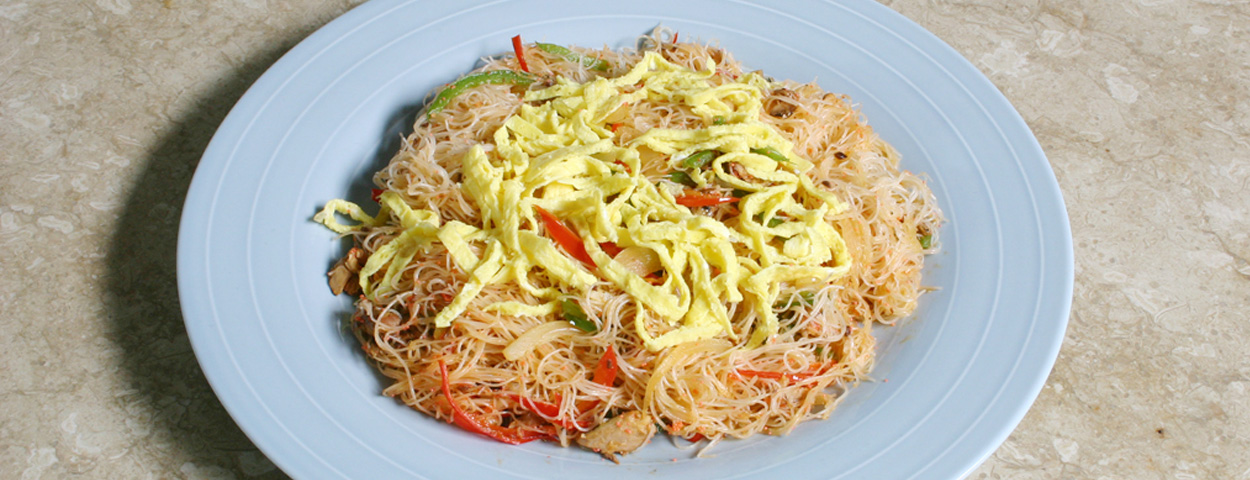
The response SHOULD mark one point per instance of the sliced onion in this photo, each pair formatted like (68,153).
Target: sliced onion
(619,115)
(534,337)
(639,260)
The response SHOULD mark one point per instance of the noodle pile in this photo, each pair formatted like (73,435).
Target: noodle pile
(554,387)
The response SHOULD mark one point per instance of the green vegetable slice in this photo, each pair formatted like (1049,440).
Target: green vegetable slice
(926,241)
(493,77)
(772,222)
(805,299)
(698,159)
(588,62)
(574,314)
(771,153)
(682,178)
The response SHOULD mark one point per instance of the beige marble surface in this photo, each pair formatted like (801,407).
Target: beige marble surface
(1143,108)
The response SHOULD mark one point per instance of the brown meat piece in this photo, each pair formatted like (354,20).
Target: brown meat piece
(620,435)
(778,108)
(343,274)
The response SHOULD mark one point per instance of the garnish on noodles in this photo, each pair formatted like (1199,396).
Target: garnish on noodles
(587,244)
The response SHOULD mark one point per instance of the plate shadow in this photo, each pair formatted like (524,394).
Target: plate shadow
(141,297)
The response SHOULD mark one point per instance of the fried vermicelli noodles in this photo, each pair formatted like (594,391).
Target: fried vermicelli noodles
(532,358)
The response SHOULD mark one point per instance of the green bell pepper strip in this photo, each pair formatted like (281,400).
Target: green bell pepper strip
(698,159)
(588,62)
(805,299)
(771,153)
(574,314)
(926,241)
(493,77)
(682,178)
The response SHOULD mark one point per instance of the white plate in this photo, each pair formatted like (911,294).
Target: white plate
(268,335)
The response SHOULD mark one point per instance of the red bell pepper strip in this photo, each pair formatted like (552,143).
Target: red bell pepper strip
(610,248)
(547,410)
(605,372)
(375,194)
(520,53)
(694,199)
(565,237)
(474,424)
(536,406)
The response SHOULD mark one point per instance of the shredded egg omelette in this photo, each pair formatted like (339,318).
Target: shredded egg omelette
(558,153)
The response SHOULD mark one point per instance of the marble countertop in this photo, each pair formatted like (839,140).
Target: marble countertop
(1142,107)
